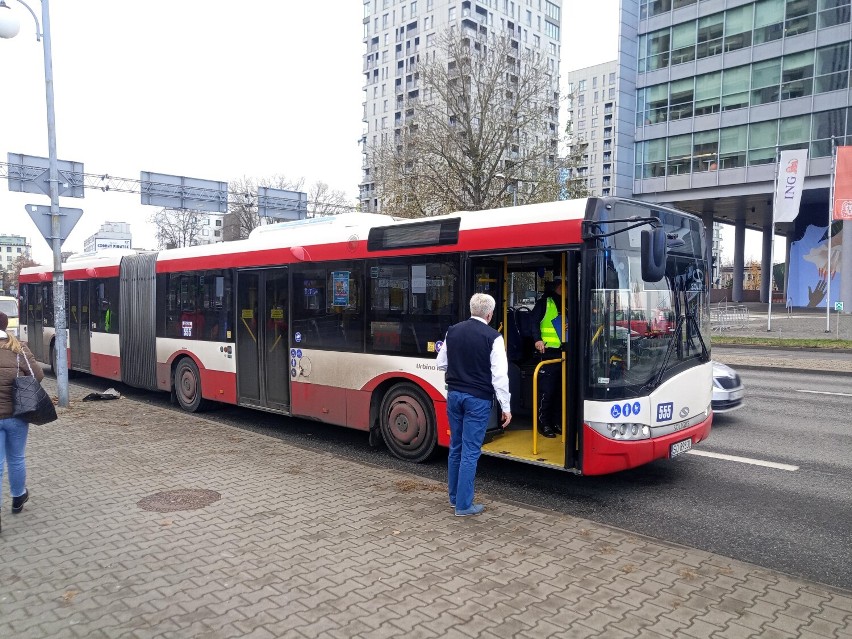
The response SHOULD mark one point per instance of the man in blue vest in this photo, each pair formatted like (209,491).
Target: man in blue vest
(547,329)
(474,357)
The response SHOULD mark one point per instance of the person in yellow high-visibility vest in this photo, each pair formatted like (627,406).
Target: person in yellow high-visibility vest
(546,327)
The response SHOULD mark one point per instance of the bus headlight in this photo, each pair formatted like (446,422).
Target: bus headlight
(626,431)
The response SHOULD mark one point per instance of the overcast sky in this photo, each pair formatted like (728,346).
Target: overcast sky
(206,89)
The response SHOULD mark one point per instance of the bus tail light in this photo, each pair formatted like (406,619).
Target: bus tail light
(624,431)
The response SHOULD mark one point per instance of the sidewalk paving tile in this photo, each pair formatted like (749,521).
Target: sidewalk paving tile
(300,543)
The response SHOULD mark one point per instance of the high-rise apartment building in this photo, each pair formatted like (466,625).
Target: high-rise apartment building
(397,33)
(712,91)
(592,94)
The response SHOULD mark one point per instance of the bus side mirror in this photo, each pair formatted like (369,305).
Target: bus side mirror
(654,254)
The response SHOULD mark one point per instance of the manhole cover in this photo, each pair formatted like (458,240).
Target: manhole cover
(169,501)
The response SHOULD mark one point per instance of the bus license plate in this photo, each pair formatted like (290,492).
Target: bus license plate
(680,447)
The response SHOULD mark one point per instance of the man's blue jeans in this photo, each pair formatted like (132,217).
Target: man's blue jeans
(13,442)
(468,419)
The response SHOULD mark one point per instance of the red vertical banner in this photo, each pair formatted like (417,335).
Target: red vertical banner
(843,184)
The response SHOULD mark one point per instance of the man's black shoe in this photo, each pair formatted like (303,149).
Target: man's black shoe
(547,431)
(18,502)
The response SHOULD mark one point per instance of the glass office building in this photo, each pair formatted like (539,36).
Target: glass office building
(712,90)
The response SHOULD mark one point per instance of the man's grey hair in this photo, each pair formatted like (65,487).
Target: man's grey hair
(481,305)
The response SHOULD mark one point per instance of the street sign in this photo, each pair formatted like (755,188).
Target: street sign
(179,192)
(838,306)
(31,174)
(281,204)
(68,218)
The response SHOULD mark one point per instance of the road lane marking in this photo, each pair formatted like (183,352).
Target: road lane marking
(743,460)
(799,390)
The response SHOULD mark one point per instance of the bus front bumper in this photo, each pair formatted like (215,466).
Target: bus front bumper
(603,455)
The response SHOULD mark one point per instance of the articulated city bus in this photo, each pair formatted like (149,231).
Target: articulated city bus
(340,319)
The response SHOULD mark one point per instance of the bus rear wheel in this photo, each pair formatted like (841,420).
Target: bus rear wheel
(408,423)
(188,386)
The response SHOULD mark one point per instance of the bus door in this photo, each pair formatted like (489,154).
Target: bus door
(36,299)
(79,328)
(516,282)
(263,360)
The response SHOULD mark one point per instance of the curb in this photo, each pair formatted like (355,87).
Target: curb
(785,369)
(797,349)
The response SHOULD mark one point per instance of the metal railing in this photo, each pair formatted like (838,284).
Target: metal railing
(725,316)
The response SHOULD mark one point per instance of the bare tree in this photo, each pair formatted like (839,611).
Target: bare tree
(322,200)
(481,124)
(177,228)
(242,216)
(12,275)
(574,184)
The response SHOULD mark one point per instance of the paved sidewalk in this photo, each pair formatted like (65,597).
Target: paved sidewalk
(280,541)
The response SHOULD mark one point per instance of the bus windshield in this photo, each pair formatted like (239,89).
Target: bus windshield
(642,332)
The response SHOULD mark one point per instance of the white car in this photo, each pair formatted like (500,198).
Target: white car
(728,389)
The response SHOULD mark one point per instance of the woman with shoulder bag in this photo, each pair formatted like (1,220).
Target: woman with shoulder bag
(15,359)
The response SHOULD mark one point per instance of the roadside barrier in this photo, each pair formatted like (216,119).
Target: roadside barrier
(726,316)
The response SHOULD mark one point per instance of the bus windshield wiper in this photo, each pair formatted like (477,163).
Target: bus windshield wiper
(690,320)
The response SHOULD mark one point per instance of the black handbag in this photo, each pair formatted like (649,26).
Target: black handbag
(32,404)
(495,418)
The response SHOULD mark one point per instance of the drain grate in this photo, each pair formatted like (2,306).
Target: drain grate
(169,501)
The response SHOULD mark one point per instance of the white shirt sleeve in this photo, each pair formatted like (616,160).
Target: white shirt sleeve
(499,374)
(441,362)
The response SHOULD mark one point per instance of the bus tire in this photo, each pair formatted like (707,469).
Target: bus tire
(408,423)
(188,386)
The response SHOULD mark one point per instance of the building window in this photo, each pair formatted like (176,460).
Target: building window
(832,68)
(551,30)
(765,81)
(738,27)
(762,138)
(825,126)
(654,158)
(709,40)
(833,12)
(680,154)
(794,133)
(768,20)
(705,150)
(683,42)
(797,72)
(735,88)
(681,97)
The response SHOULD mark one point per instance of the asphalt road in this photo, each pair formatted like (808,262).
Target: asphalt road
(796,521)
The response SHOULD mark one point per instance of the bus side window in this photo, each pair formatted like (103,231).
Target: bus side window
(104,316)
(412,303)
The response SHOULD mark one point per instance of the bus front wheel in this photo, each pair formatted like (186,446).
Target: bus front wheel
(188,386)
(408,423)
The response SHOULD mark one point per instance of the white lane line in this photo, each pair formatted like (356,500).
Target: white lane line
(798,390)
(744,460)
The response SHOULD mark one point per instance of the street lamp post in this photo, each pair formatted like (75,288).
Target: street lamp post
(9,27)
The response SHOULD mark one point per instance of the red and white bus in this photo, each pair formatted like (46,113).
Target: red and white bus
(339,319)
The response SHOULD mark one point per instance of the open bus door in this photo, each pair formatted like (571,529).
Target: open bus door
(263,347)
(508,278)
